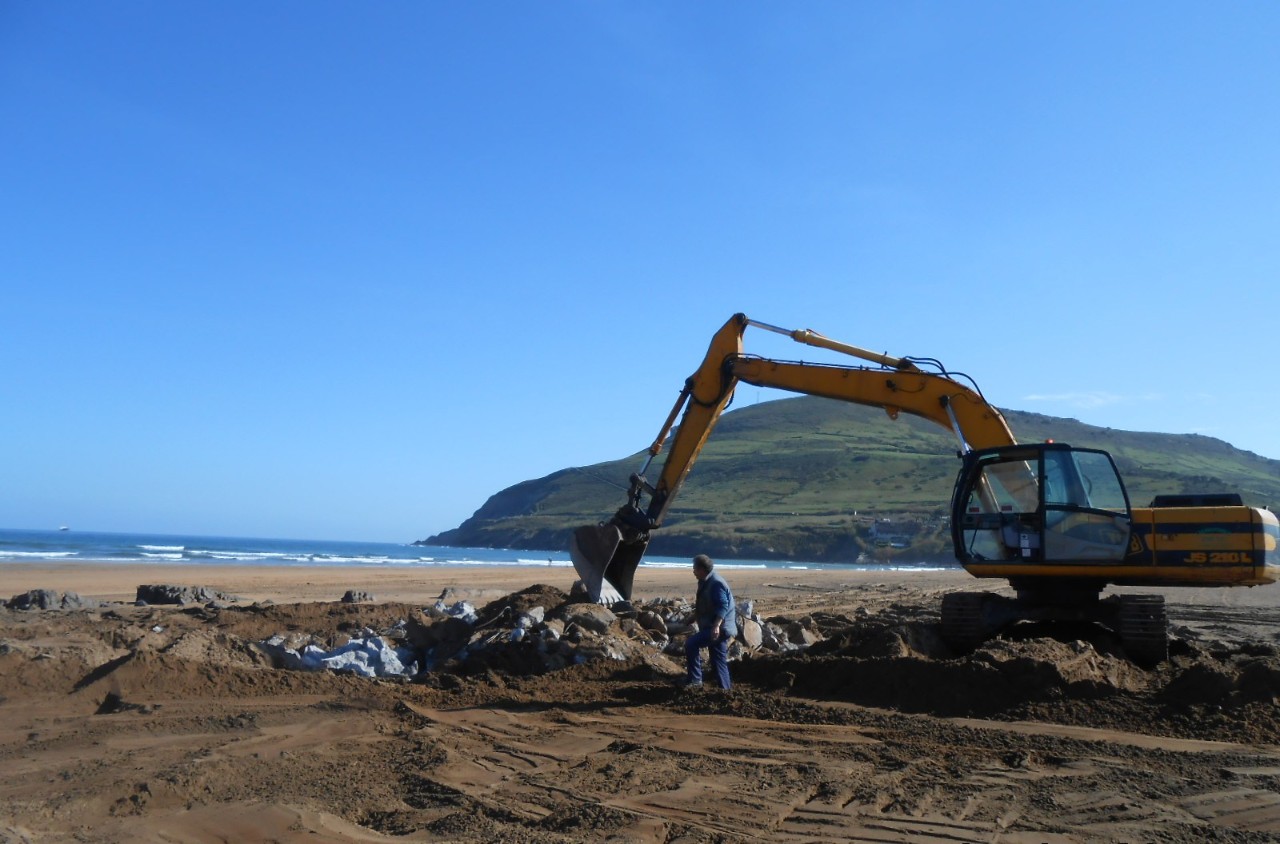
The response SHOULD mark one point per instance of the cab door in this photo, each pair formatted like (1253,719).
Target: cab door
(1086,507)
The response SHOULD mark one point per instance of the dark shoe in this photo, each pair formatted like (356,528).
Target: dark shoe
(684,683)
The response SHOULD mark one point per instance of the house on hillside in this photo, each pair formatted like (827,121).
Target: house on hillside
(886,533)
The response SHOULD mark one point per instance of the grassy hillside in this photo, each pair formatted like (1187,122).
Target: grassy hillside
(813,479)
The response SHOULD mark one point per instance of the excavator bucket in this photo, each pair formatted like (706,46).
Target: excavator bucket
(605,562)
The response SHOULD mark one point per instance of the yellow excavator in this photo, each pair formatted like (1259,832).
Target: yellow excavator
(1053,520)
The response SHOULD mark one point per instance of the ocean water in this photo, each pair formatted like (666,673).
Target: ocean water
(70,546)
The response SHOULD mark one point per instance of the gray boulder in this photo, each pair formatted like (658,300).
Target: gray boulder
(800,634)
(36,599)
(369,656)
(650,620)
(593,617)
(750,633)
(48,599)
(163,594)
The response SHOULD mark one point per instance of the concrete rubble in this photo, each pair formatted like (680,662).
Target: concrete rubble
(368,654)
(535,631)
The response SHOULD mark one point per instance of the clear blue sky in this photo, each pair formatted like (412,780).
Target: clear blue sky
(343,270)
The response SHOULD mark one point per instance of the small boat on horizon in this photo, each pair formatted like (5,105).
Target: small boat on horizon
(64,527)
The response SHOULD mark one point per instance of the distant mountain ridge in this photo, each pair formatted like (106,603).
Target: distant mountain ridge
(814,479)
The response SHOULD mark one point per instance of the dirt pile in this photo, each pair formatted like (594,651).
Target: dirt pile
(535,631)
(891,656)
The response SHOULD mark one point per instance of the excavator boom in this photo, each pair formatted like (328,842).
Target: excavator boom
(606,555)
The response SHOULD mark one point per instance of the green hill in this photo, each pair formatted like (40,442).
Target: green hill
(814,479)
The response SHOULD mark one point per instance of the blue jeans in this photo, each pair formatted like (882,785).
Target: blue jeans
(719,651)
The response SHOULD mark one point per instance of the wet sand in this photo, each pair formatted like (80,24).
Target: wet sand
(112,582)
(283,584)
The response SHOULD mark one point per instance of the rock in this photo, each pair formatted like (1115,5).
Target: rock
(439,641)
(650,620)
(800,635)
(519,635)
(460,609)
(531,619)
(156,594)
(774,638)
(369,656)
(295,651)
(36,599)
(593,617)
(750,633)
(354,596)
(633,630)
(48,599)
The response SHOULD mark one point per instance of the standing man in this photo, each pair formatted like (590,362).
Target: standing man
(717,624)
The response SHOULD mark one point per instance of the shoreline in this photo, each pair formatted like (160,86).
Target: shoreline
(301,584)
(118,582)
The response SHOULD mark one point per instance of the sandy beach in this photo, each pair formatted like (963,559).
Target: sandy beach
(176,722)
(287,584)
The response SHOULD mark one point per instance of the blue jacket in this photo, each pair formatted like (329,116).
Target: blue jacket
(715,600)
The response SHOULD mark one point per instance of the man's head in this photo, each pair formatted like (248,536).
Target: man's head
(702,566)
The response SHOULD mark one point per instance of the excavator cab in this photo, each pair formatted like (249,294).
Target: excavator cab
(1039,504)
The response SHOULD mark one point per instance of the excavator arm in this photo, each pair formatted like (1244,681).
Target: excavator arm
(606,555)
